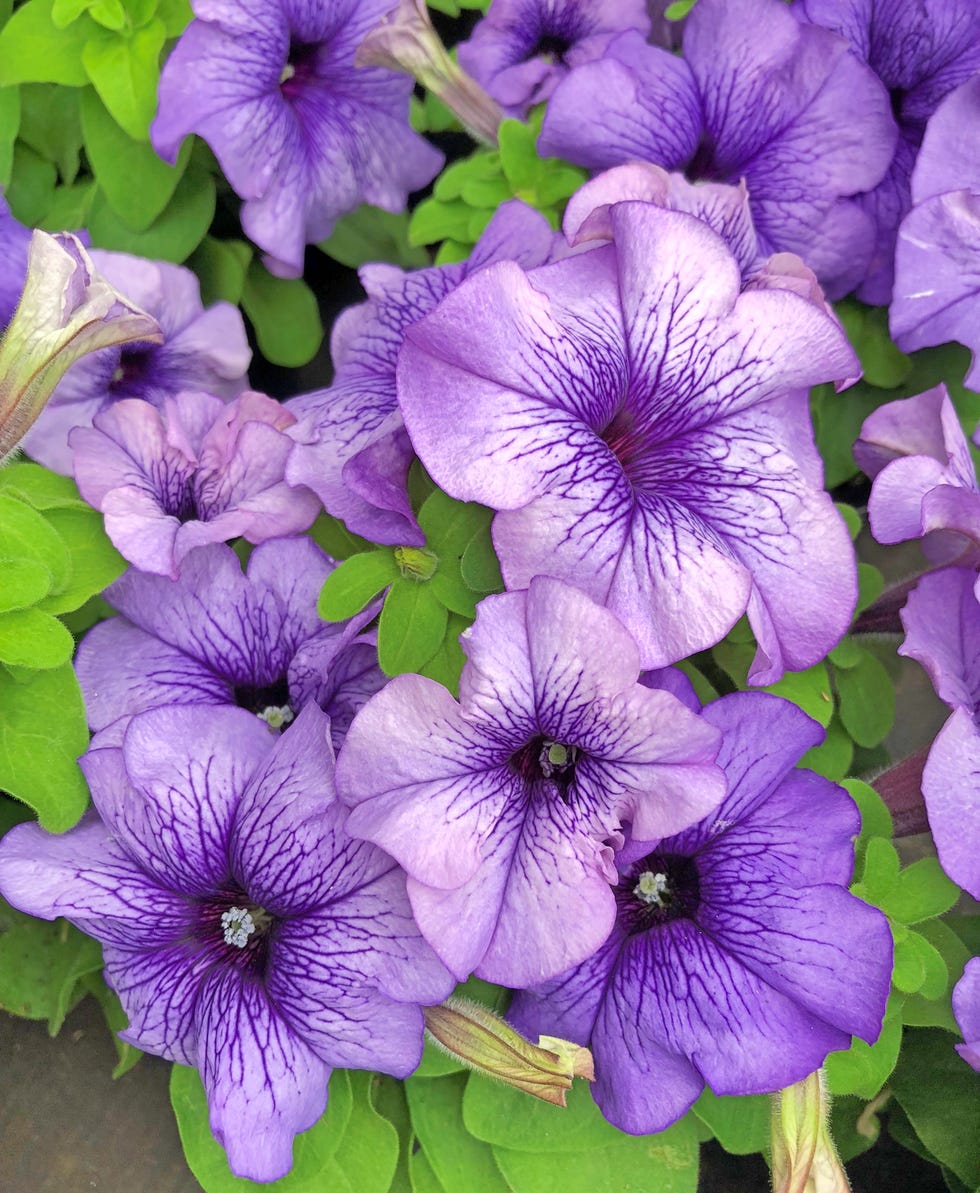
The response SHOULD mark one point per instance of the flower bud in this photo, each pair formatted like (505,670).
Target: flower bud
(484,1042)
(406,41)
(804,1159)
(66,311)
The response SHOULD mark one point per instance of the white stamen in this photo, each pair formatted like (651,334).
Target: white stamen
(651,888)
(238,925)
(276,715)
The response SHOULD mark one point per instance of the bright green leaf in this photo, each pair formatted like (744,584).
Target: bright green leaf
(370,234)
(518,154)
(871,584)
(865,1068)
(355,582)
(34,50)
(110,14)
(39,487)
(847,653)
(176,16)
(173,235)
(867,701)
(24,583)
(221,266)
(367,1156)
(411,629)
(921,892)
(851,517)
(935,1011)
(741,1125)
(9,124)
(941,1096)
(50,124)
(460,1163)
(479,565)
(30,638)
(37,959)
(452,251)
(446,665)
(832,758)
(448,586)
(433,221)
(876,820)
(285,316)
(42,717)
(879,878)
(63,12)
(95,562)
(334,537)
(70,207)
(909,972)
(125,71)
(423,1179)
(27,534)
(117,160)
(32,185)
(809,690)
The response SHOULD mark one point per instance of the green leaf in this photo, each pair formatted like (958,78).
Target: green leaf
(70,207)
(39,487)
(460,1163)
(34,50)
(173,235)
(25,582)
(356,582)
(837,421)
(741,1125)
(390,1103)
(117,159)
(933,976)
(367,1156)
(26,534)
(285,316)
(411,629)
(32,185)
(882,364)
(110,14)
(871,583)
(832,758)
(42,717)
(810,690)
(867,701)
(86,959)
(934,1010)
(176,16)
(846,654)
(334,537)
(446,665)
(221,267)
(434,220)
(63,12)
(865,1068)
(452,251)
(664,1163)
(851,517)
(370,234)
(679,9)
(125,71)
(37,960)
(30,638)
(941,1096)
(9,124)
(479,565)
(95,562)
(518,155)
(876,820)
(420,1171)
(921,892)
(49,123)
(879,878)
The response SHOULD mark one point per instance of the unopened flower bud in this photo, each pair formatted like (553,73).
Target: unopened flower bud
(484,1042)
(406,41)
(66,311)
(804,1159)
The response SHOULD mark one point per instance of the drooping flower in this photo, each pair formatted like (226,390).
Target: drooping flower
(966,1008)
(352,449)
(794,113)
(243,930)
(522,49)
(66,311)
(924,480)
(195,471)
(804,1159)
(301,133)
(921,52)
(502,807)
(937,258)
(737,958)
(639,423)
(217,637)
(942,633)
(204,349)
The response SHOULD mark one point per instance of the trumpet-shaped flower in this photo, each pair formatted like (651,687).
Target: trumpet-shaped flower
(502,807)
(637,420)
(737,957)
(217,637)
(243,930)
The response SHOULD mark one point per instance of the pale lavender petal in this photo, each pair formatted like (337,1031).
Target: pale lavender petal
(966,1008)
(949,159)
(942,633)
(951,788)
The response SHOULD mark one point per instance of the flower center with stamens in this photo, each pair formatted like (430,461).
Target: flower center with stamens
(238,926)
(660,888)
(276,715)
(543,758)
(653,888)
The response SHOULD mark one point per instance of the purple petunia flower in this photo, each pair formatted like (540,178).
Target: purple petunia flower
(502,807)
(195,471)
(937,258)
(204,349)
(794,113)
(522,49)
(942,633)
(243,930)
(966,1007)
(301,133)
(737,957)
(640,424)
(924,480)
(921,51)
(352,449)
(217,637)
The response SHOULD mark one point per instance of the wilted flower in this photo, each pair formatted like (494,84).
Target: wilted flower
(217,637)
(302,134)
(195,471)
(804,1159)
(243,930)
(737,957)
(65,312)
(502,807)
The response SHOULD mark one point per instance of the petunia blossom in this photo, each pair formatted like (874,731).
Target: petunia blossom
(795,113)
(522,49)
(302,134)
(737,959)
(502,807)
(202,348)
(218,637)
(352,449)
(243,930)
(195,471)
(638,422)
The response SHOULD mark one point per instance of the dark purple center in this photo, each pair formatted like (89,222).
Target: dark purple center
(257,698)
(235,929)
(299,69)
(660,888)
(626,439)
(703,166)
(545,760)
(134,370)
